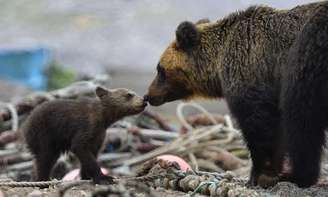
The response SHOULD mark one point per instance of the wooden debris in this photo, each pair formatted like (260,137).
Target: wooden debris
(161,122)
(203,120)
(7,137)
(222,158)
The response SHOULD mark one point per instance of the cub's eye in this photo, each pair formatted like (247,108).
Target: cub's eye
(161,73)
(129,95)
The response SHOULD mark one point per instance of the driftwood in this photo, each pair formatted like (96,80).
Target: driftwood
(154,134)
(7,137)
(146,147)
(203,120)
(160,121)
(13,159)
(222,158)
(186,142)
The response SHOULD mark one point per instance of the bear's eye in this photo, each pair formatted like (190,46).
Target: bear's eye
(161,73)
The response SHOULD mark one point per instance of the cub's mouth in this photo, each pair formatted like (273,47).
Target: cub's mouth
(141,107)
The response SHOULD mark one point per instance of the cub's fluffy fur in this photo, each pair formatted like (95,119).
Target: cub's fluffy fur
(78,126)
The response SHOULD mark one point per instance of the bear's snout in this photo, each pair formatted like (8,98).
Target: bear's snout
(154,100)
(144,103)
(146,98)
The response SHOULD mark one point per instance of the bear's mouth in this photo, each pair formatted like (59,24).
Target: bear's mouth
(138,109)
(156,101)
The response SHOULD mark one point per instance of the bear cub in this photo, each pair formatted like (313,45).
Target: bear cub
(78,126)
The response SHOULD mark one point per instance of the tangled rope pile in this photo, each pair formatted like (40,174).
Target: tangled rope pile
(167,175)
(212,184)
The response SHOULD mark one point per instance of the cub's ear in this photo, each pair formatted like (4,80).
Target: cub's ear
(101,92)
(187,36)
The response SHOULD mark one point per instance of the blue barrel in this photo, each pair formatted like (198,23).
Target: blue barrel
(25,66)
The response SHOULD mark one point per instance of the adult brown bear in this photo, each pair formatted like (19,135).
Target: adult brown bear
(271,67)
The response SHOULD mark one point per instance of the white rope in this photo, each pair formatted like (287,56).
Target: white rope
(182,118)
(232,132)
(228,121)
(13,113)
(230,126)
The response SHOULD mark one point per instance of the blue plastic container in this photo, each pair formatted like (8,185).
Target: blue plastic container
(25,66)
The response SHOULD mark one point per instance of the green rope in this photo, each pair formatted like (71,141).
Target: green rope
(199,187)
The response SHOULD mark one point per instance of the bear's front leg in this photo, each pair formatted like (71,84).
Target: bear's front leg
(264,171)
(258,116)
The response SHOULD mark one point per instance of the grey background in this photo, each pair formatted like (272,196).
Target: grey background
(125,37)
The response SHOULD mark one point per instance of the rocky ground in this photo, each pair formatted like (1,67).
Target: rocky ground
(284,189)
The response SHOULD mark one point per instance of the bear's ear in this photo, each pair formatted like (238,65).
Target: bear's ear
(187,36)
(101,92)
(202,21)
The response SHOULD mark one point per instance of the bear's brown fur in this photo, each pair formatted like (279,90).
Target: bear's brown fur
(78,126)
(241,58)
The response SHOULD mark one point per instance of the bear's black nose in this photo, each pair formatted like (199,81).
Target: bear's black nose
(146,98)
